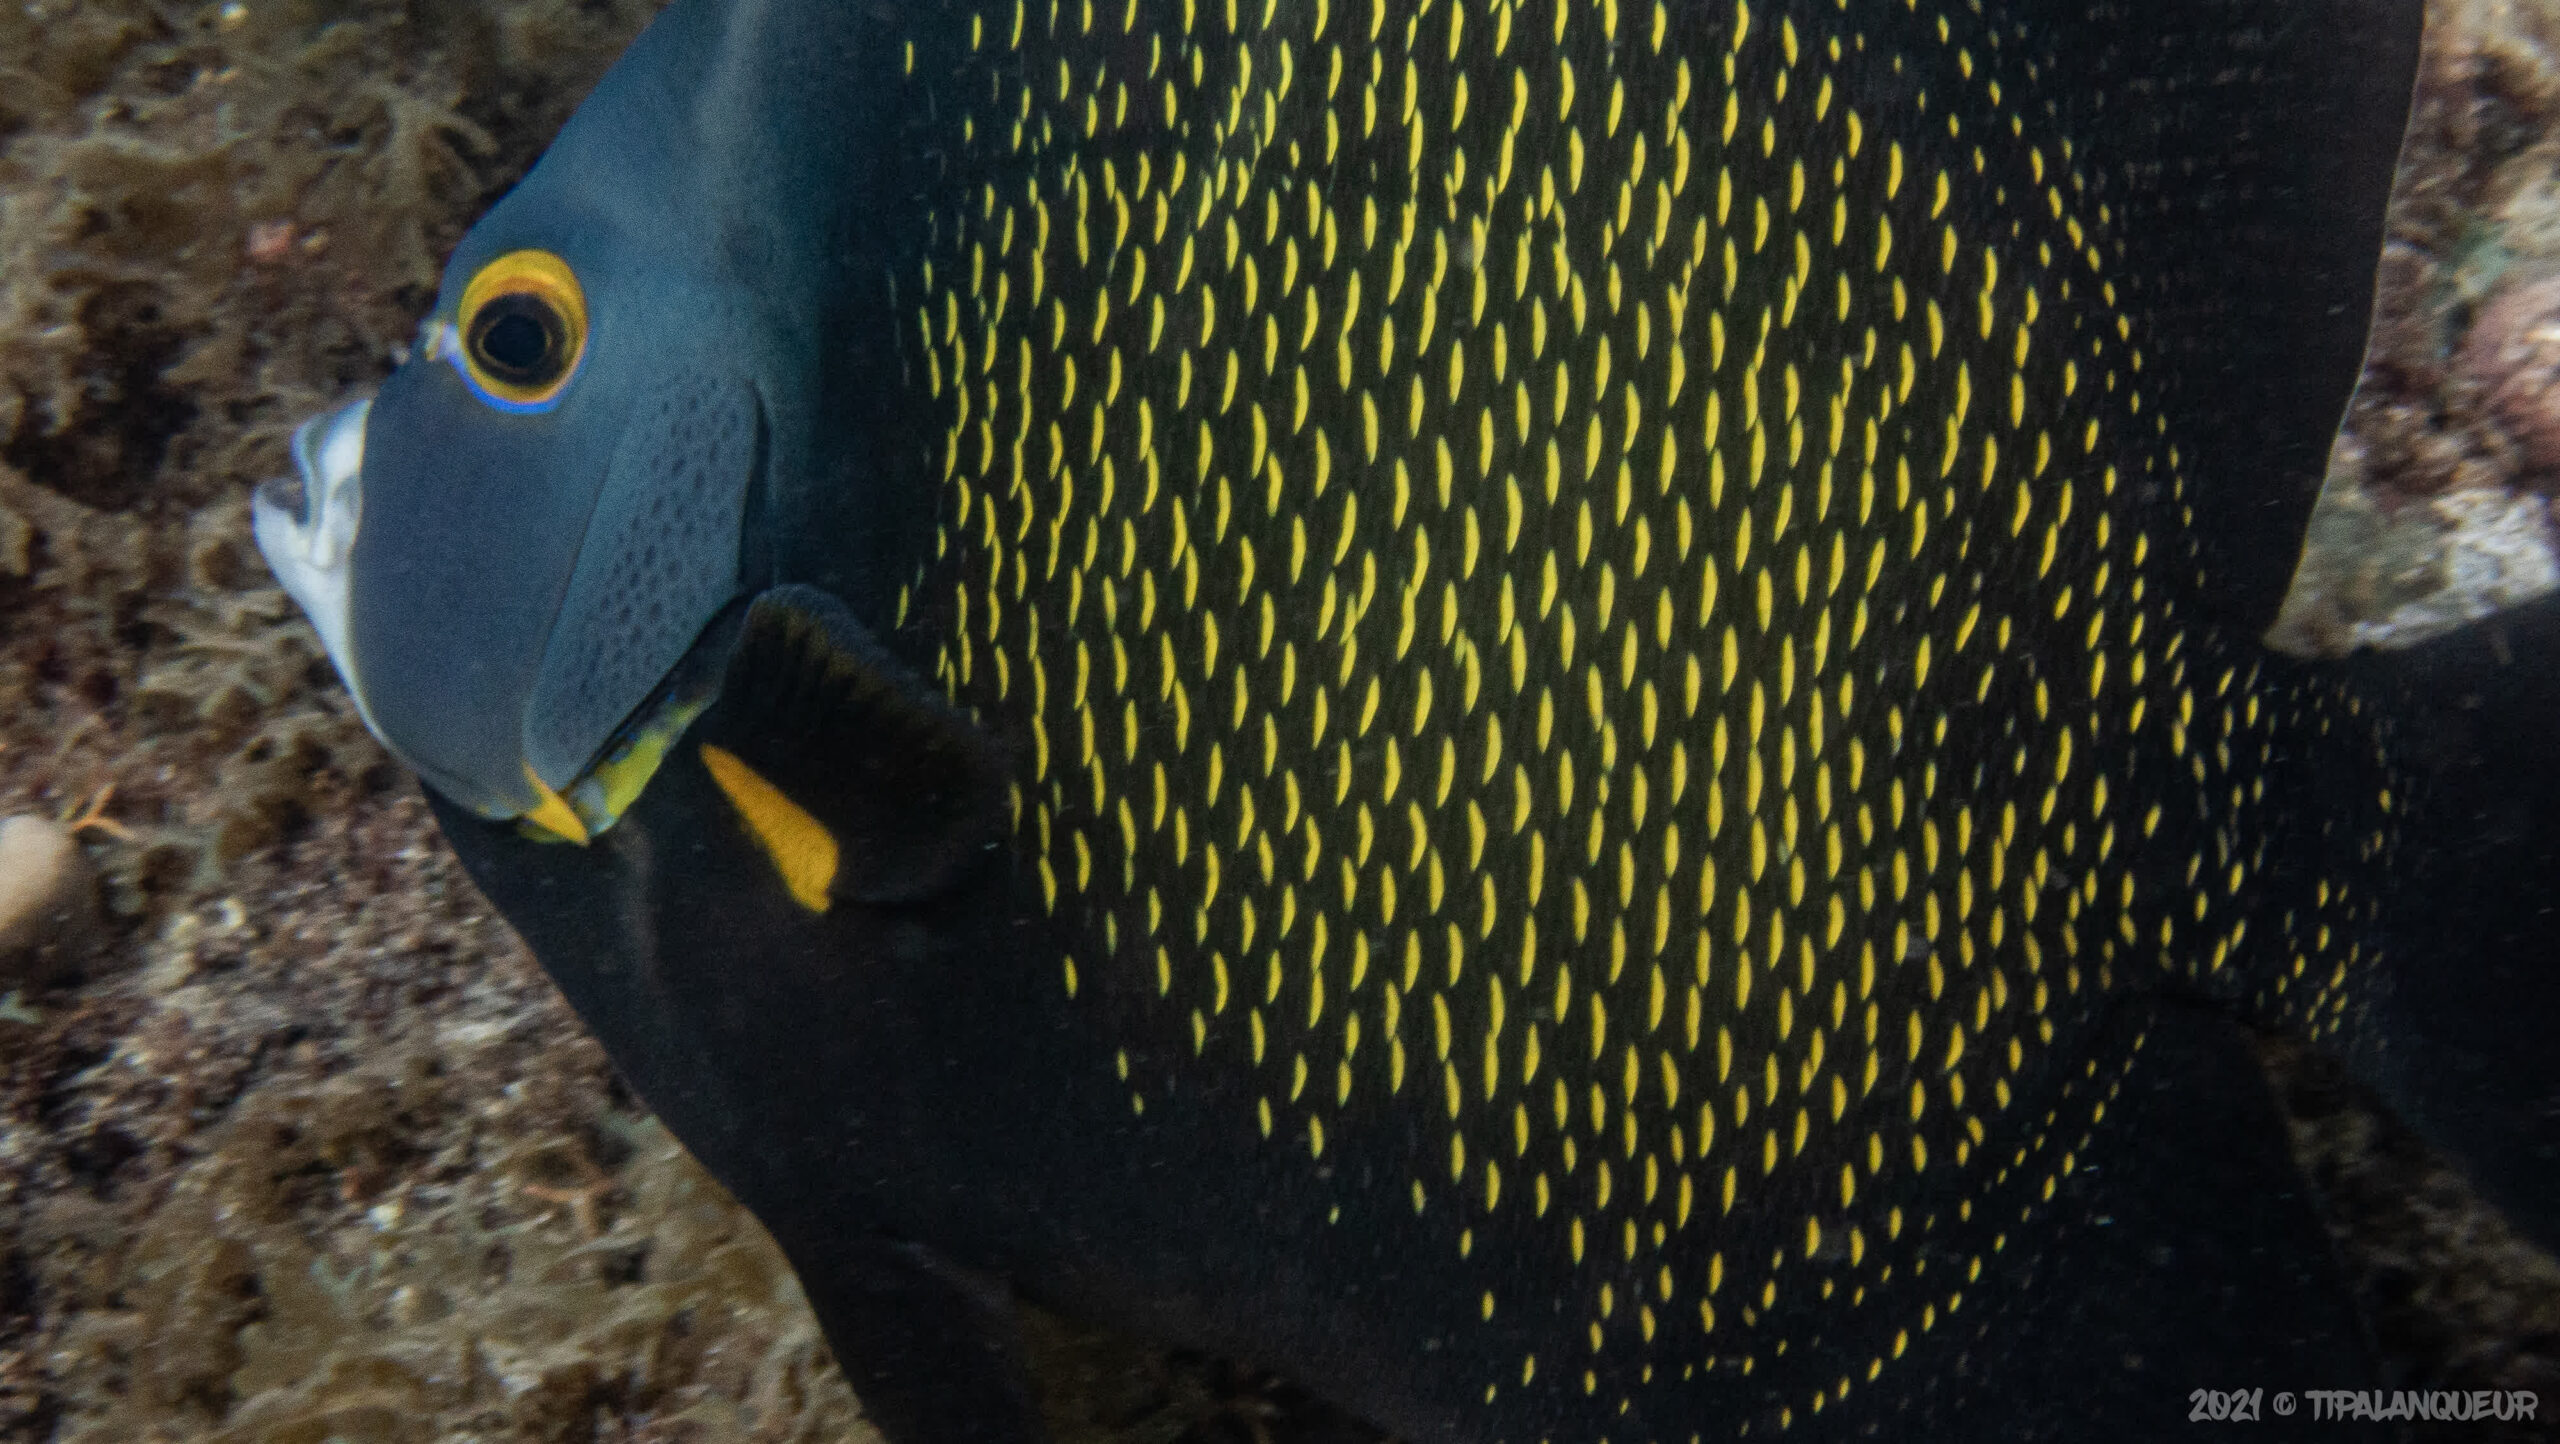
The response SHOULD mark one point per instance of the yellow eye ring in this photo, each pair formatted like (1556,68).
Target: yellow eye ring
(522,331)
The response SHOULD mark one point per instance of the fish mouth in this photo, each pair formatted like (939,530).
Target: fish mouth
(306,524)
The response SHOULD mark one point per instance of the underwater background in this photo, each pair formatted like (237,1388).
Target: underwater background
(297,1143)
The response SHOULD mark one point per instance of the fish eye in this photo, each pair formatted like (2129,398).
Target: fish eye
(520,339)
(523,330)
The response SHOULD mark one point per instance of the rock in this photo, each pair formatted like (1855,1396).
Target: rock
(48,901)
(2513,356)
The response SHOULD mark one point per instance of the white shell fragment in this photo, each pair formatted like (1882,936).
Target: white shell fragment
(47,908)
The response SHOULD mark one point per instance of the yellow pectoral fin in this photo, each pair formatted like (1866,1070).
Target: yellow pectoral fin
(802,849)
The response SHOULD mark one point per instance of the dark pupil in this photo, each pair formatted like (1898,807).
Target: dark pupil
(518,339)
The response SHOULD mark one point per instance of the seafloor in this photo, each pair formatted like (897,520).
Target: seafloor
(2440,506)
(296,1144)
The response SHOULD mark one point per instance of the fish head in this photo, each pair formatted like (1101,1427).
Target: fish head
(512,548)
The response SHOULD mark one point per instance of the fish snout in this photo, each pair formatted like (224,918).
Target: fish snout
(523,610)
(306,528)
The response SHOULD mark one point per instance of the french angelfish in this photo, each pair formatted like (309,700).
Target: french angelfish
(1545,713)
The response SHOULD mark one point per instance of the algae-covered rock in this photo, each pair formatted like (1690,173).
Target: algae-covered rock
(2438,508)
(2513,355)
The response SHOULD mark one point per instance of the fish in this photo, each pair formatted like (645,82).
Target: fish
(1545,712)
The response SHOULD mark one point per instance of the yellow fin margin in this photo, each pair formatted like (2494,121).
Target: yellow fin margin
(554,814)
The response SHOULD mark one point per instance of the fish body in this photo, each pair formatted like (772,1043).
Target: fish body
(1544,712)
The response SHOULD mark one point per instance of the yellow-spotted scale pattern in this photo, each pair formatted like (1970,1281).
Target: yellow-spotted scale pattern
(1589,595)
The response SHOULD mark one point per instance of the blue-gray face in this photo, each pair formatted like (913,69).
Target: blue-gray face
(513,545)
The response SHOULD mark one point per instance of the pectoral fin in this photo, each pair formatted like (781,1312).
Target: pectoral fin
(861,785)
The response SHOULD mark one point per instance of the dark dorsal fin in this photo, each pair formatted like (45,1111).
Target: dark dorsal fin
(2245,151)
(910,790)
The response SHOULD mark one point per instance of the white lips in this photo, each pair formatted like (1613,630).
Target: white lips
(307,546)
